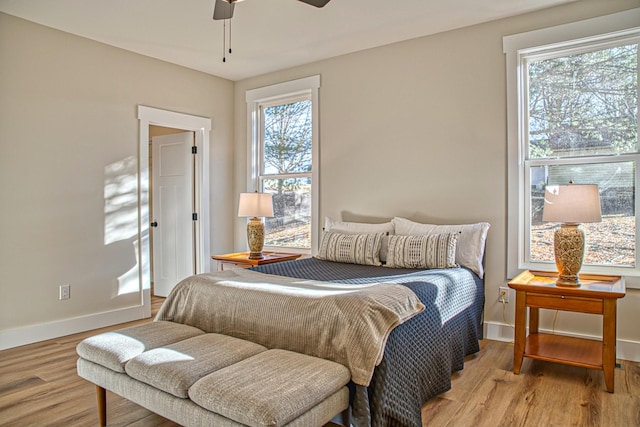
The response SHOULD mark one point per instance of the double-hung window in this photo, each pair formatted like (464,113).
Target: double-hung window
(283,160)
(573,117)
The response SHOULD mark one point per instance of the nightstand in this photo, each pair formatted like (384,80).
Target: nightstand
(598,294)
(241,259)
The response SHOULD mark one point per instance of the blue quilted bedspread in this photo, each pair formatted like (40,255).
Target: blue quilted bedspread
(420,354)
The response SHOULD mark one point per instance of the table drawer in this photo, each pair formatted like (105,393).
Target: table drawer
(565,303)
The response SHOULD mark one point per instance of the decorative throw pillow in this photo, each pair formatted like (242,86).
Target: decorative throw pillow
(469,248)
(362,227)
(351,248)
(423,251)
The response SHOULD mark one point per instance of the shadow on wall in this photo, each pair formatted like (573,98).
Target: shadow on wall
(121,216)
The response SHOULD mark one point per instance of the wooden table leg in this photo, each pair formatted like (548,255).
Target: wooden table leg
(520,331)
(101,394)
(534,319)
(609,342)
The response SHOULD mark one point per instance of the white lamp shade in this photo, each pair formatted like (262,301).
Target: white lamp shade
(255,205)
(572,203)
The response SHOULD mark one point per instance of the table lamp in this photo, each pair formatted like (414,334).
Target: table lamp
(570,205)
(255,205)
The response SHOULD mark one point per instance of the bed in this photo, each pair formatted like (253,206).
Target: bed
(444,266)
(420,354)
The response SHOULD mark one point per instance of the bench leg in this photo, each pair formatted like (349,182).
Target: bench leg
(101,394)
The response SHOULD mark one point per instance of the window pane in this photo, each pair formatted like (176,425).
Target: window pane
(287,138)
(584,104)
(291,224)
(610,242)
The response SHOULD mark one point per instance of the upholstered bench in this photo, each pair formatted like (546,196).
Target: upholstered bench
(206,379)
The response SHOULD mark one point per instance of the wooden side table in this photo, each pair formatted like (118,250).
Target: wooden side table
(598,294)
(241,259)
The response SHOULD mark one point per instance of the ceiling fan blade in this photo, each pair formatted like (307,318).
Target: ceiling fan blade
(223,10)
(316,3)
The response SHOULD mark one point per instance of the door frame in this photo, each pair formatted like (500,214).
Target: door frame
(201,126)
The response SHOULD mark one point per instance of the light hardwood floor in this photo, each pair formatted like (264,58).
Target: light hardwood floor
(39,387)
(487,393)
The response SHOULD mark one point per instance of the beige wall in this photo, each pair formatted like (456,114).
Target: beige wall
(418,129)
(68,136)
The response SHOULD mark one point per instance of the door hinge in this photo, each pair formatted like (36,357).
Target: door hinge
(194,216)
(194,149)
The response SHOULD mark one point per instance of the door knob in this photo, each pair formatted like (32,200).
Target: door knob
(154,224)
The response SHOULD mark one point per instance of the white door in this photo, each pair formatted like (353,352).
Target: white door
(172,222)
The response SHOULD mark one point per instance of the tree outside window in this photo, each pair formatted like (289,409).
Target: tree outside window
(286,171)
(582,126)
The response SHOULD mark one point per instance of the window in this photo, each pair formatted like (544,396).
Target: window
(283,160)
(576,104)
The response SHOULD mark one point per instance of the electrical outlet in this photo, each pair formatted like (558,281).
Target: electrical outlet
(65,292)
(503,294)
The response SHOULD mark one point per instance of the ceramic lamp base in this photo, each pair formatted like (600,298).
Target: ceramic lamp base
(255,238)
(568,246)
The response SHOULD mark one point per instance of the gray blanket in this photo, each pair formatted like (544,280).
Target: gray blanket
(348,324)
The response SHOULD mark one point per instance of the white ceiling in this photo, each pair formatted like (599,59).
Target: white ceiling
(267,35)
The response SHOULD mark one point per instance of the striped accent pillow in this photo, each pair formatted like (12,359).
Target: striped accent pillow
(351,248)
(423,251)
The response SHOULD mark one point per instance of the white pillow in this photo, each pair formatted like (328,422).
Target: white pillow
(470,246)
(361,227)
(423,251)
(351,248)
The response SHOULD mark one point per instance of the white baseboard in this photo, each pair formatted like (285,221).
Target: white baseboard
(45,331)
(625,349)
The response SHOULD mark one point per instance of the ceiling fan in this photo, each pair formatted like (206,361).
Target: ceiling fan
(224,8)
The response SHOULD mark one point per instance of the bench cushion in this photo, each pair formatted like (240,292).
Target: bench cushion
(270,388)
(114,349)
(174,368)
(187,413)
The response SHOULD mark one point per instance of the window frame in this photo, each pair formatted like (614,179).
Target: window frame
(281,93)
(550,42)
